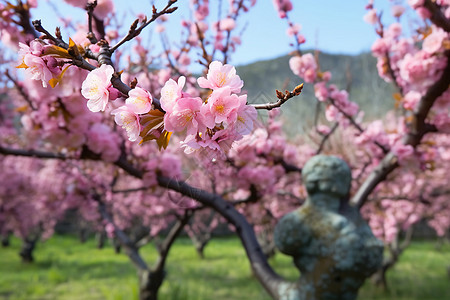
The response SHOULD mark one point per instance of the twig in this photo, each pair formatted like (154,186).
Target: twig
(21,90)
(135,31)
(326,137)
(283,98)
(90,6)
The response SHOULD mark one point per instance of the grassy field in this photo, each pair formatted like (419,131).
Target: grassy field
(67,270)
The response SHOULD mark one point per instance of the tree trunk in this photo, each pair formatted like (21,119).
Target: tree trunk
(26,252)
(116,244)
(200,248)
(82,234)
(149,284)
(101,237)
(5,240)
(379,278)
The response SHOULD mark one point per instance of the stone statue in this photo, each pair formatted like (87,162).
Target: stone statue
(331,244)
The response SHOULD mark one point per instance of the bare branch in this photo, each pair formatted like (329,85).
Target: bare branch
(283,98)
(133,32)
(326,137)
(21,90)
(125,241)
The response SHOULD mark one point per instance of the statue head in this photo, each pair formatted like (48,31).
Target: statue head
(327,175)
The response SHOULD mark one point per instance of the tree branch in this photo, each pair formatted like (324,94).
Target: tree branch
(170,238)
(437,16)
(417,130)
(133,32)
(283,98)
(125,241)
(261,268)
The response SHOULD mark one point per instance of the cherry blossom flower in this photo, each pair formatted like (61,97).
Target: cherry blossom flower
(219,76)
(125,117)
(227,24)
(139,100)
(220,105)
(184,115)
(411,100)
(371,17)
(433,43)
(304,66)
(96,86)
(245,117)
(402,151)
(397,10)
(171,92)
(38,67)
(282,6)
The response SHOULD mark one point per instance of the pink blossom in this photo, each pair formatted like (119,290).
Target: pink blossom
(433,43)
(220,76)
(184,115)
(202,11)
(77,3)
(411,100)
(96,86)
(321,91)
(220,105)
(40,69)
(36,66)
(139,100)
(282,6)
(379,47)
(125,117)
(394,31)
(293,30)
(304,66)
(416,3)
(402,151)
(397,10)
(227,24)
(171,92)
(301,38)
(323,129)
(103,8)
(371,17)
(423,12)
(326,76)
(245,117)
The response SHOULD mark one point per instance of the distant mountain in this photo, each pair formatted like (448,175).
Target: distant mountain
(372,94)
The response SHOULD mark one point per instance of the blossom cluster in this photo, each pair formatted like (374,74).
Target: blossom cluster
(224,117)
(215,123)
(38,65)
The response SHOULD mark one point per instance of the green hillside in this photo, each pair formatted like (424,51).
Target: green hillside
(374,96)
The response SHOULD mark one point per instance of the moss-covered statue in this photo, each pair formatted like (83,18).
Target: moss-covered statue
(331,244)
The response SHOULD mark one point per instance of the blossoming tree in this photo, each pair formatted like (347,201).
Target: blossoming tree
(130,104)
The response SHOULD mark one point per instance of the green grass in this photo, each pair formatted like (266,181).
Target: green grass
(67,270)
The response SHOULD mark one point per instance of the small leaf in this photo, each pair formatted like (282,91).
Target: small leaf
(397,96)
(164,139)
(73,48)
(23,108)
(56,51)
(54,81)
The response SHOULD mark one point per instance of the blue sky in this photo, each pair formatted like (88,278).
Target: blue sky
(329,25)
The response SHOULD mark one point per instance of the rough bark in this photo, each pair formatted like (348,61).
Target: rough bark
(395,250)
(5,240)
(26,252)
(101,238)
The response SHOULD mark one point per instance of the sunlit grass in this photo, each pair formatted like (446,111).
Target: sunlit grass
(66,269)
